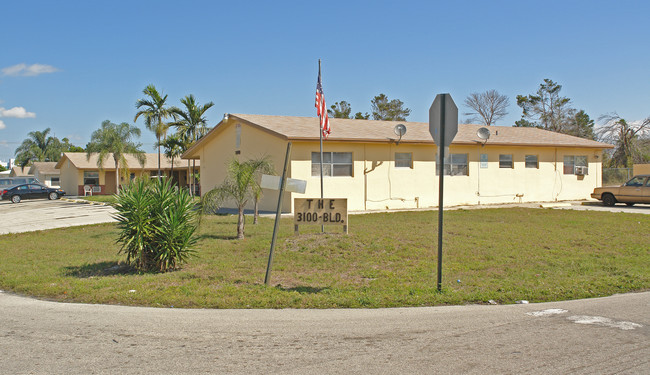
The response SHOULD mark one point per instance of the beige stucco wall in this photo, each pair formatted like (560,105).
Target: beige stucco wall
(254,143)
(69,178)
(641,169)
(377,184)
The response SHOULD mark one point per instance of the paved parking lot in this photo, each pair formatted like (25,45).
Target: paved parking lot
(593,206)
(40,214)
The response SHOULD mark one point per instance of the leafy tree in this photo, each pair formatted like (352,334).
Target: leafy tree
(39,146)
(66,146)
(383,109)
(191,125)
(361,116)
(627,139)
(154,114)
(487,107)
(340,109)
(2,168)
(580,125)
(117,140)
(240,186)
(157,224)
(546,110)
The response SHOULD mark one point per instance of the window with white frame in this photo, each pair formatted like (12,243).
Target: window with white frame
(505,161)
(455,165)
(335,164)
(571,162)
(403,160)
(531,161)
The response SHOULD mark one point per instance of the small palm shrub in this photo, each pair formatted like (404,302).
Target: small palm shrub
(157,224)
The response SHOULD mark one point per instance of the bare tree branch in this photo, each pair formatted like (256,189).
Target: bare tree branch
(488,107)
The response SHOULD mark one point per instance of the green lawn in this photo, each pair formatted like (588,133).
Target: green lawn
(388,259)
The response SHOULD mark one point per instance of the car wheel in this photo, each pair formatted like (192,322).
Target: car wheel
(53,195)
(15,199)
(609,200)
(630,204)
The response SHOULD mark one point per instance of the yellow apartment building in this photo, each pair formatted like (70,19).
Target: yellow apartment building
(367,163)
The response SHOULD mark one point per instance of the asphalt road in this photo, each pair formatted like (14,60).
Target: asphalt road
(39,214)
(598,336)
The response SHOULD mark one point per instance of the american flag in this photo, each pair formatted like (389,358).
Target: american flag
(321,108)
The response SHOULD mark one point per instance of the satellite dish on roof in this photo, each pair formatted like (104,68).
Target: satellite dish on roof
(400,130)
(484,134)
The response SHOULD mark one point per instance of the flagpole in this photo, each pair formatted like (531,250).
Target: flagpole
(322,227)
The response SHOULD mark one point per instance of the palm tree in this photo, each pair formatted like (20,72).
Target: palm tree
(262,166)
(240,185)
(191,125)
(173,146)
(38,147)
(115,139)
(154,113)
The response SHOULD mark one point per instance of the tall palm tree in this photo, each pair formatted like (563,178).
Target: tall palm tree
(154,111)
(38,147)
(191,125)
(117,140)
(173,146)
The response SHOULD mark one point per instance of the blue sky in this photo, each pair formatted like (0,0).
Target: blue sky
(69,65)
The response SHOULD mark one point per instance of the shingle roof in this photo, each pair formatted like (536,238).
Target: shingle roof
(19,171)
(79,160)
(348,130)
(45,167)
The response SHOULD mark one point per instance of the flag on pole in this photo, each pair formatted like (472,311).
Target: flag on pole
(321,108)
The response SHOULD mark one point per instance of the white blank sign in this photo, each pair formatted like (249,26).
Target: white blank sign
(293,185)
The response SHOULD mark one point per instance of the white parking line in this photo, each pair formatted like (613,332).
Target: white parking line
(605,322)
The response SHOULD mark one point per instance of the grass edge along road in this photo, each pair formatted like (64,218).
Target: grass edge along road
(500,254)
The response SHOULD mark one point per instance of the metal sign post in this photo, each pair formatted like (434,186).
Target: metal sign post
(443,126)
(278,214)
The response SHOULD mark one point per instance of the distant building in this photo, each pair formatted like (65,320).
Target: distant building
(46,173)
(641,169)
(19,172)
(77,171)
(365,162)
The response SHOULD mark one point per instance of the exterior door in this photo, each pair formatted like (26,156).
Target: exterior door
(109,183)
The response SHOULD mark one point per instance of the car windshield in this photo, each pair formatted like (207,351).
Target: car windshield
(636,181)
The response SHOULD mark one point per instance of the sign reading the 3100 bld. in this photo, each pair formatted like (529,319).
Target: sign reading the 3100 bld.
(327,211)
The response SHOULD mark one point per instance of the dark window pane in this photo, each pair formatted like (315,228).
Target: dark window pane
(342,170)
(342,157)
(402,160)
(315,170)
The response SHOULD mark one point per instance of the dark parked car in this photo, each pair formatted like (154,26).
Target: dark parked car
(17,193)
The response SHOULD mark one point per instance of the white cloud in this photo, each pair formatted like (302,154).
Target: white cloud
(17,112)
(28,70)
(2,125)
